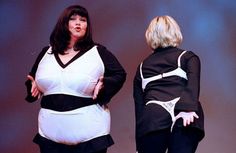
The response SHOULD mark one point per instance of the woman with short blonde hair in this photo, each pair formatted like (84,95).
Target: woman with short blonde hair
(163,31)
(166,89)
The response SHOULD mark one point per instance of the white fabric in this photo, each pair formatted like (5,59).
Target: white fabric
(177,72)
(169,106)
(78,78)
(73,127)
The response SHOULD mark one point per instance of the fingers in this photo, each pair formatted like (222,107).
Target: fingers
(188,117)
(191,119)
(188,121)
(98,87)
(39,95)
(95,93)
(101,79)
(35,92)
(33,84)
(96,90)
(34,88)
(195,115)
(184,122)
(30,77)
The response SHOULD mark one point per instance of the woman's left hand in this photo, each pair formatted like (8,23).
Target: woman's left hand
(188,117)
(98,87)
(35,92)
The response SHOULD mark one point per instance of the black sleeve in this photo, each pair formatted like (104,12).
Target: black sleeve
(138,94)
(114,76)
(28,84)
(190,96)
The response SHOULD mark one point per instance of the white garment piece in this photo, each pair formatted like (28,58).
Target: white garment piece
(78,78)
(169,106)
(177,72)
(73,127)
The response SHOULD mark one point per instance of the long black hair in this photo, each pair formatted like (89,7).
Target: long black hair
(60,36)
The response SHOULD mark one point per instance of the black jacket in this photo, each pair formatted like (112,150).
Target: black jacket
(153,117)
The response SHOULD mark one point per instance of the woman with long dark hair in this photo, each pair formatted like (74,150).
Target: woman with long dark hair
(76,78)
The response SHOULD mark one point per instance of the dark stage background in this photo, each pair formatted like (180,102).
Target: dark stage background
(208,28)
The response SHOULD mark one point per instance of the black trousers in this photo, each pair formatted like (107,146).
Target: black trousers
(180,140)
(63,149)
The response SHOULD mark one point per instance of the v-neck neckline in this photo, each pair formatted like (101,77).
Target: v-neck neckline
(64,65)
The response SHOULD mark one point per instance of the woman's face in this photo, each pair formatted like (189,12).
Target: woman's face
(77,27)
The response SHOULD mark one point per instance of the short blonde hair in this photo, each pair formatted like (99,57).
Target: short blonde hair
(163,31)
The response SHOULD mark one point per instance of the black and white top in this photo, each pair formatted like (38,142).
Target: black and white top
(69,115)
(166,82)
(168,105)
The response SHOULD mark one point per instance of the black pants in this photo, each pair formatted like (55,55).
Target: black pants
(63,149)
(180,140)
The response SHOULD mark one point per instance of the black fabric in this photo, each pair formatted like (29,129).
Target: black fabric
(154,117)
(180,140)
(61,102)
(114,76)
(184,140)
(95,145)
(154,142)
(198,124)
(114,79)
(79,54)
(29,97)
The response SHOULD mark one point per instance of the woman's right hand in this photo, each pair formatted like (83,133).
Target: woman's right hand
(35,92)
(188,117)
(98,87)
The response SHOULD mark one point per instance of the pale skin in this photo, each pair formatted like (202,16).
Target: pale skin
(77,26)
(188,117)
